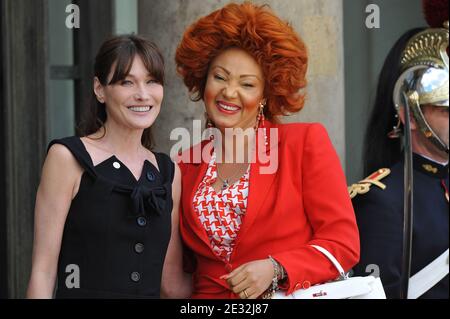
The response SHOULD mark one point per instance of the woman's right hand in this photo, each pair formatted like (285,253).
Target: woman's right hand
(252,279)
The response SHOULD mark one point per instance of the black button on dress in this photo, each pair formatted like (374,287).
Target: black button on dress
(110,221)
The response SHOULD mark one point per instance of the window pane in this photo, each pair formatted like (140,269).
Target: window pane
(61,116)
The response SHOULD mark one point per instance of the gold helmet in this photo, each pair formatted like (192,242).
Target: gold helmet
(425,76)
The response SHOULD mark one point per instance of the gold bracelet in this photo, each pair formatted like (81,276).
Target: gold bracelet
(276,267)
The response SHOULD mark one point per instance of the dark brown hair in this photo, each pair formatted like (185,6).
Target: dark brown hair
(119,52)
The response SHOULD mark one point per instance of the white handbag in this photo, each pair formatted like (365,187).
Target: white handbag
(345,288)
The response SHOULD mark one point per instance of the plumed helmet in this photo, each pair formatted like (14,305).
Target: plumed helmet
(425,68)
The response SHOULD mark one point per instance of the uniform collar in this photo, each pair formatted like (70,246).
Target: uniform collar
(429,167)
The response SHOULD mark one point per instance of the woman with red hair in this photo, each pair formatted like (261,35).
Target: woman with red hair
(248,228)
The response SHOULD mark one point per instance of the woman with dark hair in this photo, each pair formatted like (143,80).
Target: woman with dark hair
(104,204)
(249,227)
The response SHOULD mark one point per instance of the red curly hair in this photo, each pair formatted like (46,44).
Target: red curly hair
(274,44)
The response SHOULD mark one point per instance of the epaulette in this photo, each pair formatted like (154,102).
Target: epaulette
(363,186)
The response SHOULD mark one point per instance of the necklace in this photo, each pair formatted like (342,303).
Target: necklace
(226,181)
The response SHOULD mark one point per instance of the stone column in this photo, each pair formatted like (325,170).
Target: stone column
(24,81)
(319,23)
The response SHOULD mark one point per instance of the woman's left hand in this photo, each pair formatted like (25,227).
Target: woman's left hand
(250,280)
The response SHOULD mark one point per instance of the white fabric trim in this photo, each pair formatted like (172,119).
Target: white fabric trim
(429,276)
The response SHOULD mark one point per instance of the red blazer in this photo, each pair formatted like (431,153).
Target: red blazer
(304,202)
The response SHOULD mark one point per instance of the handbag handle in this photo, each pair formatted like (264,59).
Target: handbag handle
(333,260)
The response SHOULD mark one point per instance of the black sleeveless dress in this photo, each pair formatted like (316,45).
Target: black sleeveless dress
(117,229)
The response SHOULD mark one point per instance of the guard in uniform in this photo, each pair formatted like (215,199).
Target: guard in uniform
(379,199)
(378,203)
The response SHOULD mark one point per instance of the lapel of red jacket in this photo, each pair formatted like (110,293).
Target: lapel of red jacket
(259,183)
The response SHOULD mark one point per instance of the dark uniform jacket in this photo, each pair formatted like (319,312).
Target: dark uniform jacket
(380,220)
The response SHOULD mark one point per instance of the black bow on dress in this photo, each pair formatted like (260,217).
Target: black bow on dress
(146,199)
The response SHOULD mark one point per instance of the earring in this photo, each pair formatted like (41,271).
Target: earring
(260,116)
(260,122)
(209,126)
